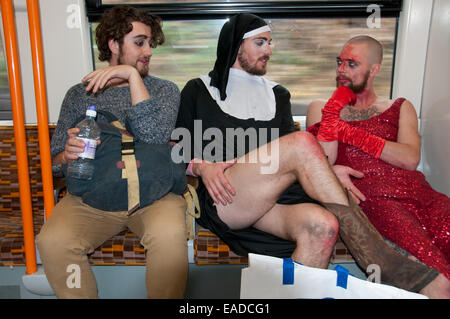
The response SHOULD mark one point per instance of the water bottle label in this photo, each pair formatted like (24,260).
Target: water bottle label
(91,113)
(89,149)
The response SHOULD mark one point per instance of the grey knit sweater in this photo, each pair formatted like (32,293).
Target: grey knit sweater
(151,121)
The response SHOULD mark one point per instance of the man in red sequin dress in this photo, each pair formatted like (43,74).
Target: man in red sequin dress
(375,146)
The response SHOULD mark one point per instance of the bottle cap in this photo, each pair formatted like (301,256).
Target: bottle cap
(91,111)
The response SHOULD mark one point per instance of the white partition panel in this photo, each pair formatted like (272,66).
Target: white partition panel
(435,114)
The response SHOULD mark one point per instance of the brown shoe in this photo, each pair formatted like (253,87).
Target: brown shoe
(368,247)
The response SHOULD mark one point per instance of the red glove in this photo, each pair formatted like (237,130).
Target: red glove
(340,98)
(360,138)
(330,113)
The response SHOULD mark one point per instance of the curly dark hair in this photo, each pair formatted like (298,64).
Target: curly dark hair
(116,23)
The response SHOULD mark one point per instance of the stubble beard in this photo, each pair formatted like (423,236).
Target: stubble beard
(243,61)
(356,88)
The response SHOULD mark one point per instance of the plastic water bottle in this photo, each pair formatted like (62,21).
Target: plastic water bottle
(83,167)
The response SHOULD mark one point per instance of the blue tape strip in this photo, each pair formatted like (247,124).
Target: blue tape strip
(342,276)
(288,271)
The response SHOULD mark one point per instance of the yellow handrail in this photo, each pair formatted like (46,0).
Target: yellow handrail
(15,87)
(41,104)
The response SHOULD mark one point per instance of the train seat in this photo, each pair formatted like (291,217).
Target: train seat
(122,249)
(125,248)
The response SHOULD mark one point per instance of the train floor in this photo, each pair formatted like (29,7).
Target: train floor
(127,282)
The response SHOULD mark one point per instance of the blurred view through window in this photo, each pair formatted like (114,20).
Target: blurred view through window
(303,59)
(5,98)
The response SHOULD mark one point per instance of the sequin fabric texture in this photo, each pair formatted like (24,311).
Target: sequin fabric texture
(401,204)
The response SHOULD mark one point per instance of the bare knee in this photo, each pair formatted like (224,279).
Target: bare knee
(303,145)
(322,227)
(304,141)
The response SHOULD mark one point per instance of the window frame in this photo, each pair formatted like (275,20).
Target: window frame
(265,9)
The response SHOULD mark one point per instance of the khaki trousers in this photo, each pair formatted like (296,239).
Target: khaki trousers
(76,229)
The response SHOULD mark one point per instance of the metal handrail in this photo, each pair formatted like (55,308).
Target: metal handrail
(15,86)
(41,104)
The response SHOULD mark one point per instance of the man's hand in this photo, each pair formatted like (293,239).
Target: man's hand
(73,147)
(218,186)
(343,173)
(340,98)
(330,113)
(111,75)
(118,75)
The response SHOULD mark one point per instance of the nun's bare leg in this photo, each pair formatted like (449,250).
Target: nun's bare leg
(298,157)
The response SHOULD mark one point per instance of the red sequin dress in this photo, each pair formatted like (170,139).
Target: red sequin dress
(400,203)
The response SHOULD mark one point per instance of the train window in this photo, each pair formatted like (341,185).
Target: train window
(303,58)
(5,98)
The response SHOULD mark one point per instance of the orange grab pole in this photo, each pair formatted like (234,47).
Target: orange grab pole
(41,104)
(19,132)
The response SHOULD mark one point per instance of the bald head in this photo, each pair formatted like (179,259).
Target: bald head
(374,48)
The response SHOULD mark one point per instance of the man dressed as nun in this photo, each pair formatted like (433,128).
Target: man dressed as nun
(264,187)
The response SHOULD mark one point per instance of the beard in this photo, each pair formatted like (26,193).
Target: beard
(252,69)
(143,72)
(356,88)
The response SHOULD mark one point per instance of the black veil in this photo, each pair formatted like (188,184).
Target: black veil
(230,39)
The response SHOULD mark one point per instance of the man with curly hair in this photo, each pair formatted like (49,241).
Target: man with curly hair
(149,105)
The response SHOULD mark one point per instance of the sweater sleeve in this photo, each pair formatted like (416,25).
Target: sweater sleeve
(153,120)
(69,113)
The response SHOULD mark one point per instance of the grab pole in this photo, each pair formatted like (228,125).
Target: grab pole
(15,87)
(41,105)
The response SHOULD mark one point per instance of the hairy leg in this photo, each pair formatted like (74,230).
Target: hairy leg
(310,226)
(299,158)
